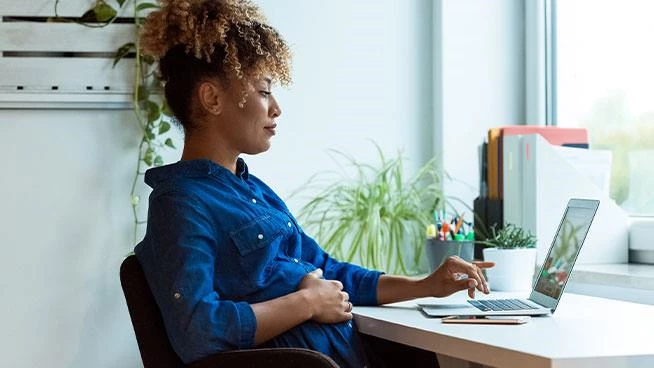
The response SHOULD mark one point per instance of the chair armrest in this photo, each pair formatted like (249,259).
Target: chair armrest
(271,358)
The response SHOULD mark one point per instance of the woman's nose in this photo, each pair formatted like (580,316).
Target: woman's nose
(276,110)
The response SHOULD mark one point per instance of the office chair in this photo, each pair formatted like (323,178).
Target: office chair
(155,348)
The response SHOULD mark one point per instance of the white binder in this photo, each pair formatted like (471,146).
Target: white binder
(537,189)
(512,179)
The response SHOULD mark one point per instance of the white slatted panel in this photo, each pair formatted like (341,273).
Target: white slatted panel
(45,8)
(64,101)
(69,74)
(27,81)
(29,36)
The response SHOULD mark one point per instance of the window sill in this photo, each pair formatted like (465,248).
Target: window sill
(628,282)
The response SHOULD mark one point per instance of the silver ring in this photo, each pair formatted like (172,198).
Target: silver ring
(349,308)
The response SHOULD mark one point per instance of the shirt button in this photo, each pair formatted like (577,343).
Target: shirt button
(254,201)
(289,224)
(177,295)
(295,260)
(260,236)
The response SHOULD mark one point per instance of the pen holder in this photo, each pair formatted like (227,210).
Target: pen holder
(438,251)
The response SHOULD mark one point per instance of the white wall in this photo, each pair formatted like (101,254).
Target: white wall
(65,178)
(479,79)
(362,71)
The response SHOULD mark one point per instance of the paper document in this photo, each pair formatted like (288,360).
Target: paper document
(593,164)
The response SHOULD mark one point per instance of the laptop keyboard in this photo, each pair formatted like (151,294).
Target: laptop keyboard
(500,304)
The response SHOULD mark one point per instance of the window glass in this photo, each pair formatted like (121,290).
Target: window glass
(604,81)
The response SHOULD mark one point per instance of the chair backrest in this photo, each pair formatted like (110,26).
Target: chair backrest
(151,335)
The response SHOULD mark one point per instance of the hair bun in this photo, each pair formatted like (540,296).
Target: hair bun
(233,32)
(199,25)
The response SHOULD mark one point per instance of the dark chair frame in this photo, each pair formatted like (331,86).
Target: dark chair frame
(155,347)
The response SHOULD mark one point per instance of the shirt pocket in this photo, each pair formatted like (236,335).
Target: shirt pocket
(256,234)
(258,243)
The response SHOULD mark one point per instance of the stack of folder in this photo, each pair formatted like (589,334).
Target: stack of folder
(488,207)
(571,137)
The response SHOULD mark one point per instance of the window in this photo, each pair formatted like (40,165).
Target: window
(602,78)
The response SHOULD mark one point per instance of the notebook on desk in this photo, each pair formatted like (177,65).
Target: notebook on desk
(552,278)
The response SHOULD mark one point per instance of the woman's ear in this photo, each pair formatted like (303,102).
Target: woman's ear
(211,95)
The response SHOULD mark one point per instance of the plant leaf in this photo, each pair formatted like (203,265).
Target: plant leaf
(148,158)
(120,2)
(123,51)
(104,12)
(169,143)
(149,134)
(164,127)
(153,111)
(89,16)
(144,6)
(377,218)
(158,161)
(143,95)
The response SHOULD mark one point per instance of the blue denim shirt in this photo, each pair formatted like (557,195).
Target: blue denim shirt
(217,242)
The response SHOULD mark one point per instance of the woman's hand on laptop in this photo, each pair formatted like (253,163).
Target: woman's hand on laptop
(455,274)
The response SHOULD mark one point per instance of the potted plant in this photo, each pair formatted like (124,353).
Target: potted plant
(513,250)
(376,217)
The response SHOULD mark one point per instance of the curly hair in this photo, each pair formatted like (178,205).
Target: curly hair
(196,39)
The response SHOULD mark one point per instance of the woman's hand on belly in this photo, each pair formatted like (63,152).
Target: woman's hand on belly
(327,300)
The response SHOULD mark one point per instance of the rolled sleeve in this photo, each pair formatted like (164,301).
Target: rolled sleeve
(178,256)
(367,289)
(248,323)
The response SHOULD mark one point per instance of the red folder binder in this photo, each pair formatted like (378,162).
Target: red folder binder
(576,137)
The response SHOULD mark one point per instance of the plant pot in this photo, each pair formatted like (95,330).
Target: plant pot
(513,270)
(438,251)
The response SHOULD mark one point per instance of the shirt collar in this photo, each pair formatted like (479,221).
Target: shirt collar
(192,168)
(241,169)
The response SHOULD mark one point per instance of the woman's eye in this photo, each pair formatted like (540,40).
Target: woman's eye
(266,93)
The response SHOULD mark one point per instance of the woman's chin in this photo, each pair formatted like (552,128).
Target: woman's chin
(259,149)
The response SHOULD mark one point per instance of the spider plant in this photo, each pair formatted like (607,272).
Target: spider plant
(378,218)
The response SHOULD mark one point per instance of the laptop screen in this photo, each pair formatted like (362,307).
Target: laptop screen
(563,253)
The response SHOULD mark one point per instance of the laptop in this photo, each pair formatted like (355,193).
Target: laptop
(552,278)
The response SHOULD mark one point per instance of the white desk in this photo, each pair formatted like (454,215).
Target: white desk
(583,332)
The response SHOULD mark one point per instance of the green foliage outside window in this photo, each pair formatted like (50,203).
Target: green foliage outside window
(611,126)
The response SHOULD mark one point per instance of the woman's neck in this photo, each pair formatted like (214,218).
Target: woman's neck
(202,146)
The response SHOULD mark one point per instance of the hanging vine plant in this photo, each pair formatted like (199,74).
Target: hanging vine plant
(148,102)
